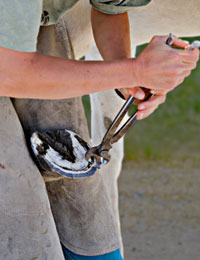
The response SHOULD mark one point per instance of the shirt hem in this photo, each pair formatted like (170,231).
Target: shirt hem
(109,12)
(17,48)
(116,9)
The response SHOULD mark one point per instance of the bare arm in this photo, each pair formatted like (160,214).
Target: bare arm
(112,36)
(32,75)
(159,66)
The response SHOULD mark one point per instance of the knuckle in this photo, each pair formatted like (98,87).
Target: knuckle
(162,99)
(156,38)
(196,53)
(180,81)
(170,86)
(196,58)
(153,38)
(175,80)
(152,110)
(194,66)
(187,73)
(190,66)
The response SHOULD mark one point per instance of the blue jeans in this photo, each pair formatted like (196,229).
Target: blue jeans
(116,255)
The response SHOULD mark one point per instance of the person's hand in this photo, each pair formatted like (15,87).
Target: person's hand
(145,108)
(160,67)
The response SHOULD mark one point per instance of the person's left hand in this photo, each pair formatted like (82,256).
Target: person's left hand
(145,108)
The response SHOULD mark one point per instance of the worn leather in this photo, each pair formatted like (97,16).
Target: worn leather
(82,208)
(27,227)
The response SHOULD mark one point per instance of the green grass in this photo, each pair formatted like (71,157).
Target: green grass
(171,135)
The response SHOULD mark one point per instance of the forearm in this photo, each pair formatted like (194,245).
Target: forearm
(112,35)
(32,75)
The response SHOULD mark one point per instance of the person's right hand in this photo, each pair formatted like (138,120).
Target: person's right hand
(160,67)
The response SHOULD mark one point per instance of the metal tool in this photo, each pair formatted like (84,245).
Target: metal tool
(170,39)
(65,153)
(101,152)
(189,47)
(62,152)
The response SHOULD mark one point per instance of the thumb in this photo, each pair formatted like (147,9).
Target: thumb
(137,92)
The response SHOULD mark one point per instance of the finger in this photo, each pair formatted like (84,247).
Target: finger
(182,76)
(191,56)
(154,102)
(124,92)
(187,66)
(186,73)
(181,69)
(159,92)
(137,92)
(145,113)
(180,81)
(179,43)
(137,102)
(161,38)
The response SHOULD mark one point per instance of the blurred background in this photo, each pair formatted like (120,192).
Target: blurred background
(160,182)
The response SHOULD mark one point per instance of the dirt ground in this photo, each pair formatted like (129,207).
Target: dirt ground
(160,212)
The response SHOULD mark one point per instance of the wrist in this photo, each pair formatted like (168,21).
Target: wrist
(126,74)
(135,72)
